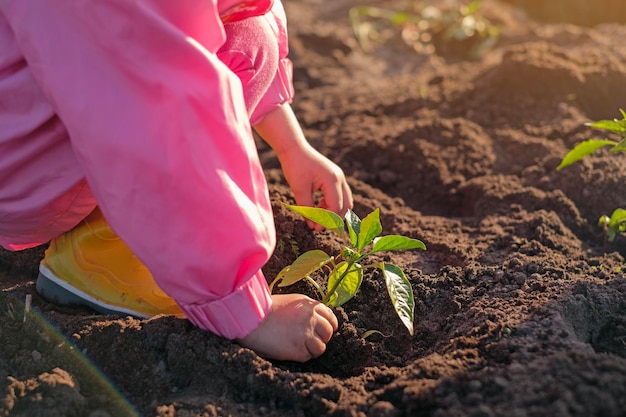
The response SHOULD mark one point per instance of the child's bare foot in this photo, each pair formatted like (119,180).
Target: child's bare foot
(296,329)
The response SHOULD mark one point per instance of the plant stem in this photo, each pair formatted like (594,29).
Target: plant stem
(332,290)
(278,278)
(317,286)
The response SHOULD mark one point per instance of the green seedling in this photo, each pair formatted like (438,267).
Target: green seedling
(419,25)
(613,225)
(616,223)
(344,272)
(589,146)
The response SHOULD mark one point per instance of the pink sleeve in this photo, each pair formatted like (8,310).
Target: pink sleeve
(256,50)
(160,129)
(281,89)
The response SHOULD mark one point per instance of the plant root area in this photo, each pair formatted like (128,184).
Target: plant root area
(520,302)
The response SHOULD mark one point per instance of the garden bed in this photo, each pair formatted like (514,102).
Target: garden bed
(520,301)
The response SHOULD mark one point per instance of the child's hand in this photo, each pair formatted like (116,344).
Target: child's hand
(297,329)
(308,171)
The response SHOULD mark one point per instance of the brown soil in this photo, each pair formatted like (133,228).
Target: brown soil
(520,302)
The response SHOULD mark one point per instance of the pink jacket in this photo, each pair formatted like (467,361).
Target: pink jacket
(125,104)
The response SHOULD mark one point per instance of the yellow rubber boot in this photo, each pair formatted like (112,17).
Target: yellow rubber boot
(91,266)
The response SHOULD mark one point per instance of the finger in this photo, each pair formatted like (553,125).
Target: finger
(314,226)
(333,197)
(348,201)
(303,198)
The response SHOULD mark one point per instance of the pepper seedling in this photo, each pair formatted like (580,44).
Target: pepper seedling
(616,223)
(344,272)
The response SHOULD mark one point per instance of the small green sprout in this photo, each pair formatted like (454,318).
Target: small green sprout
(615,224)
(373,332)
(288,239)
(344,271)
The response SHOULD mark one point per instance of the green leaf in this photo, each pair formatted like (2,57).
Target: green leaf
(354,227)
(473,7)
(348,287)
(400,18)
(616,224)
(615,126)
(400,292)
(370,228)
(620,147)
(396,242)
(618,216)
(321,216)
(583,149)
(349,253)
(306,264)
(371,332)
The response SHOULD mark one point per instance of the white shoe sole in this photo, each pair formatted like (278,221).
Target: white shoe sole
(57,291)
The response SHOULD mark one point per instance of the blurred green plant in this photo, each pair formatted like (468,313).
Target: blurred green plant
(423,27)
(288,240)
(616,223)
(344,272)
(613,225)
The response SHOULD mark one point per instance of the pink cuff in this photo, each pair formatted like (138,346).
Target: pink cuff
(235,315)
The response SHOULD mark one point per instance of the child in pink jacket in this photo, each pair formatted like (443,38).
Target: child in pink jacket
(140,112)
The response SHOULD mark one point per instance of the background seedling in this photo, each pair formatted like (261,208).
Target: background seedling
(616,223)
(591,145)
(344,272)
(423,26)
(613,225)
